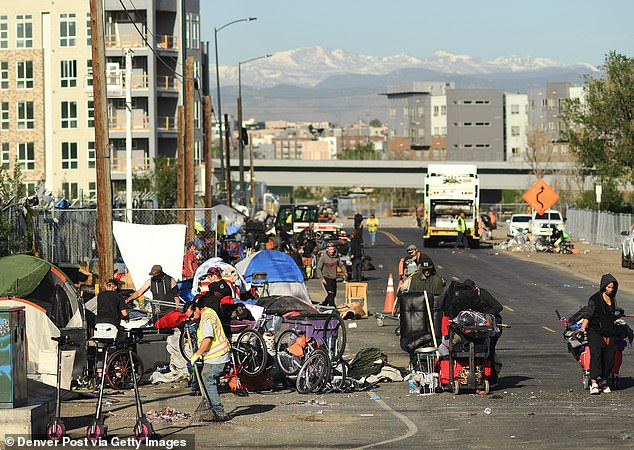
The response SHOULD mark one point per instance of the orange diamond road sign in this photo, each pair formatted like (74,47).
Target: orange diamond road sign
(541,196)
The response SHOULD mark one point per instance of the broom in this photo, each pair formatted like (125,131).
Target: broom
(204,412)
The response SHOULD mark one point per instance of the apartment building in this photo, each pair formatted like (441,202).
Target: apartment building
(47,109)
(475,125)
(515,126)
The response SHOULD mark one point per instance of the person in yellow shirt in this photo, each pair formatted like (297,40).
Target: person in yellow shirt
(221,227)
(373,225)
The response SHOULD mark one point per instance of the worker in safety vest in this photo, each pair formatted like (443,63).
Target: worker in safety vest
(213,350)
(373,225)
(221,227)
(461,228)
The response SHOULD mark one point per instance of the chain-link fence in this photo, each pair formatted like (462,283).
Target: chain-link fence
(15,234)
(597,227)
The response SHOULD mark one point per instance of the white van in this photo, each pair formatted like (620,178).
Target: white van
(542,224)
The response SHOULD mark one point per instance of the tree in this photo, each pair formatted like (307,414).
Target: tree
(162,181)
(601,129)
(362,152)
(11,184)
(376,123)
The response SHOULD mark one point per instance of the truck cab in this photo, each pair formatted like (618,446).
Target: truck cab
(292,219)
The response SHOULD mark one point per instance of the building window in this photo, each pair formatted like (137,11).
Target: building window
(89,80)
(195,31)
(198,153)
(5,157)
(88,30)
(443,131)
(515,150)
(24,76)
(196,114)
(26,117)
(69,114)
(69,155)
(68,74)
(515,131)
(4,116)
(92,189)
(392,113)
(515,109)
(92,155)
(436,111)
(4,75)
(70,191)
(188,19)
(4,32)
(67,30)
(26,155)
(24,31)
(91,114)
(30,187)
(436,130)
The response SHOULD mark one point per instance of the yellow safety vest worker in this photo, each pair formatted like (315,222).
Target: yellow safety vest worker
(219,345)
(462,224)
(373,224)
(221,227)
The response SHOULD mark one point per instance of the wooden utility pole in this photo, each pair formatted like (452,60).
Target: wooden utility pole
(189,148)
(251,179)
(102,145)
(228,160)
(180,165)
(209,169)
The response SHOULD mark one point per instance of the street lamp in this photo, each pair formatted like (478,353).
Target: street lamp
(240,141)
(216,30)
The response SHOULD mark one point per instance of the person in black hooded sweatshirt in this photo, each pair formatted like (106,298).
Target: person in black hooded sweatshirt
(598,321)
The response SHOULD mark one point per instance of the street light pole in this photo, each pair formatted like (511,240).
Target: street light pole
(216,30)
(240,141)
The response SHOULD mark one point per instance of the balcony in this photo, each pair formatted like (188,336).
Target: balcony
(166,42)
(166,124)
(139,164)
(139,123)
(167,83)
(125,40)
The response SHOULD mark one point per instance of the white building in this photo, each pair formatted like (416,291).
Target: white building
(515,126)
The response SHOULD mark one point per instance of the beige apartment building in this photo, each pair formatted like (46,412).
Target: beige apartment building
(46,97)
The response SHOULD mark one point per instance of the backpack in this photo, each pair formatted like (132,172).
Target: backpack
(368,361)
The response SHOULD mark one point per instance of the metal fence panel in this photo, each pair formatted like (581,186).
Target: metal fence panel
(597,227)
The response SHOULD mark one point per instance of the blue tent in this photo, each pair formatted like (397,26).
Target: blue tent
(279,267)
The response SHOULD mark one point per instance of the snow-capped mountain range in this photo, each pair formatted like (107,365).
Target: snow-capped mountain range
(307,67)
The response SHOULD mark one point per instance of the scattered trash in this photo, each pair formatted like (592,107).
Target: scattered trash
(167,414)
(352,325)
(624,436)
(318,401)
(487,411)
(375,398)
(566,285)
(366,415)
(470,414)
(380,266)
(108,403)
(531,414)
(512,437)
(495,397)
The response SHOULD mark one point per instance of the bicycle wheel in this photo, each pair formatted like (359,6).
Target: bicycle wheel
(186,343)
(119,370)
(251,351)
(315,372)
(334,338)
(289,363)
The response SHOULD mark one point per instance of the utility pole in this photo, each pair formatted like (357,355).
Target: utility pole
(128,135)
(228,161)
(209,168)
(240,146)
(180,164)
(189,147)
(102,146)
(251,179)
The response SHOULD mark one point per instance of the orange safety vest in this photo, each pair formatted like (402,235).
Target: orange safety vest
(219,343)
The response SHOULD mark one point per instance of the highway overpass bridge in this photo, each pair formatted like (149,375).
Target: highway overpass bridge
(494,176)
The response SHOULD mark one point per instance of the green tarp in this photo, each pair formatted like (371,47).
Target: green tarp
(21,274)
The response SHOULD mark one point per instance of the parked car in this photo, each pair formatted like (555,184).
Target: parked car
(627,249)
(518,223)
(542,224)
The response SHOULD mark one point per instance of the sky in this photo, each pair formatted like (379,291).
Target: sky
(564,30)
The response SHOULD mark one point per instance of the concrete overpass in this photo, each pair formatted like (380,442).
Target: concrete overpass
(386,174)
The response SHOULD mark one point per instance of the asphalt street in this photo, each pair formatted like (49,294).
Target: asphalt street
(539,402)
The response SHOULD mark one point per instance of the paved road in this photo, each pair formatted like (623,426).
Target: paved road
(539,402)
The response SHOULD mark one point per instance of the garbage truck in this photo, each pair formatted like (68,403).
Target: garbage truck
(449,190)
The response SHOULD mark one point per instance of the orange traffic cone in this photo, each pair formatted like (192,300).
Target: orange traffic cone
(389,296)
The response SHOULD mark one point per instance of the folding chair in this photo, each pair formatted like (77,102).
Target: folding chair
(358,292)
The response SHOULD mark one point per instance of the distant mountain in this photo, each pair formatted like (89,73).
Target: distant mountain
(307,67)
(333,85)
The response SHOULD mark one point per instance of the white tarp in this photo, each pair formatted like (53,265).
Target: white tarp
(142,246)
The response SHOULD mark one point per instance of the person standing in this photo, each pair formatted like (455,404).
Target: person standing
(213,350)
(111,307)
(358,223)
(598,321)
(191,261)
(221,227)
(163,288)
(327,269)
(356,255)
(494,219)
(373,226)
(461,228)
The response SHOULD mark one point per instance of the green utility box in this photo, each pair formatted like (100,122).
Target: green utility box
(12,357)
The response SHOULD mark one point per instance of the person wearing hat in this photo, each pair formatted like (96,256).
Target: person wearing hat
(163,289)
(327,270)
(373,226)
(415,256)
(426,279)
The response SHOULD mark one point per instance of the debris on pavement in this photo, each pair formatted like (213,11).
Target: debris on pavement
(168,415)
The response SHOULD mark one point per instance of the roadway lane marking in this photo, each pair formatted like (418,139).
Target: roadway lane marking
(393,238)
(549,329)
(455,278)
(509,308)
(412,429)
